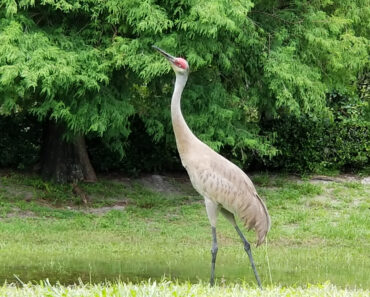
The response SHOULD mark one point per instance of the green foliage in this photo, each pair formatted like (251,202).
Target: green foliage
(51,72)
(315,145)
(90,64)
(312,51)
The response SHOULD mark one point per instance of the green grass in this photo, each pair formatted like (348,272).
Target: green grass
(167,288)
(319,233)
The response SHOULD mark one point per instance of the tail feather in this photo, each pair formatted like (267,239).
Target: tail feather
(265,224)
(256,217)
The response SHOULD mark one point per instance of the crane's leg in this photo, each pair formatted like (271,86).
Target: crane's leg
(212,212)
(247,247)
(214,254)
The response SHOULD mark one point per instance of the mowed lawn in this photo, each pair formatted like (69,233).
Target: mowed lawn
(141,231)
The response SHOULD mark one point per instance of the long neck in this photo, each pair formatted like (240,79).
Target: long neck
(184,136)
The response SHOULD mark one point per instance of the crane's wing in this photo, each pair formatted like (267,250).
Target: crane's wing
(223,182)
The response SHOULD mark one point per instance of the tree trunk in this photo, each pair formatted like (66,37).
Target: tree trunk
(64,161)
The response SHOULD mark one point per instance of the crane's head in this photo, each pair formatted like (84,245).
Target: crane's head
(179,65)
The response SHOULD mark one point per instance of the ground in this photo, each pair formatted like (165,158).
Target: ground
(171,185)
(155,225)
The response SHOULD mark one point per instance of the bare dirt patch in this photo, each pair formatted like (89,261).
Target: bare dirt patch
(343,178)
(100,211)
(19,213)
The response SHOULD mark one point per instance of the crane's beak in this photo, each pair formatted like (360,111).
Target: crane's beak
(166,55)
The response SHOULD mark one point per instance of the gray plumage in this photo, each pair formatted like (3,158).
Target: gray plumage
(224,186)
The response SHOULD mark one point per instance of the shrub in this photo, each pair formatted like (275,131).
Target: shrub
(308,144)
(20,139)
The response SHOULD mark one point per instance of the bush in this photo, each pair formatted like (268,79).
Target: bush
(309,144)
(20,140)
(141,153)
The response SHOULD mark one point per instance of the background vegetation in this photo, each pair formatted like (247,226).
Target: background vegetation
(273,84)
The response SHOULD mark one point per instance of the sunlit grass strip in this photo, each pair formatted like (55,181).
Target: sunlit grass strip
(168,288)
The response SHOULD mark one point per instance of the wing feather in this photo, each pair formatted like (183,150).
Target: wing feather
(223,182)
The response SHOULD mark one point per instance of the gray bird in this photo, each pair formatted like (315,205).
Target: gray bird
(224,186)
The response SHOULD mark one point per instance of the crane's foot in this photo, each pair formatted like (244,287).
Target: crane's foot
(247,248)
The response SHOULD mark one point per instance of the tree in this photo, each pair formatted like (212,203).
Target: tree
(87,67)
(51,71)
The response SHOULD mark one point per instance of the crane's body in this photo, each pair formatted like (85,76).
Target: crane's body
(224,186)
(222,183)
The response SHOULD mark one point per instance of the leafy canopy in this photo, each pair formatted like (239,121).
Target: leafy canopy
(89,64)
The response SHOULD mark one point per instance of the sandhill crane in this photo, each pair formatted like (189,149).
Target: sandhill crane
(224,186)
